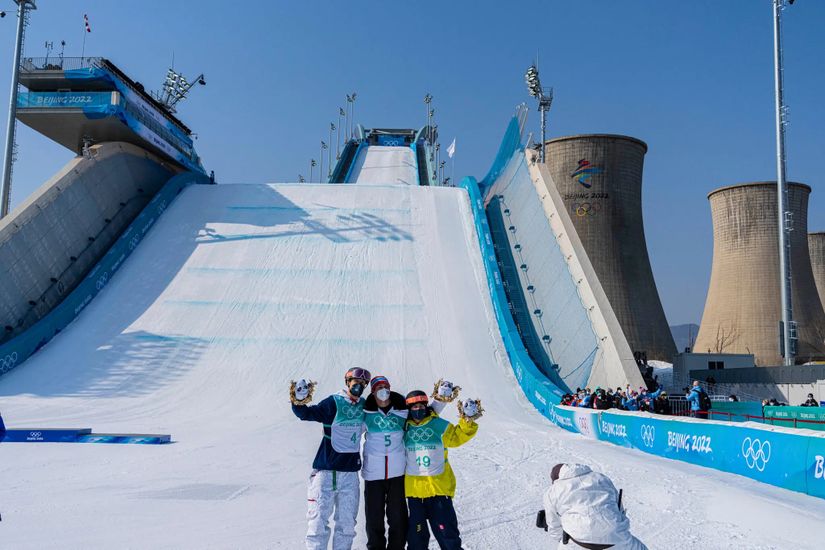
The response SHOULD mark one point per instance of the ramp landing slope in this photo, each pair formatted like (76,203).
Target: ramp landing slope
(239,288)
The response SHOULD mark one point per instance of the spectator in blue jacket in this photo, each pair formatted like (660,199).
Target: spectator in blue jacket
(631,402)
(2,428)
(698,398)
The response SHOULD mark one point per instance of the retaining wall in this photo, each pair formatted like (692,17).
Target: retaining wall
(52,240)
(20,348)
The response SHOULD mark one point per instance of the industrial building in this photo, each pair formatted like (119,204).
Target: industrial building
(599,178)
(743,309)
(816,248)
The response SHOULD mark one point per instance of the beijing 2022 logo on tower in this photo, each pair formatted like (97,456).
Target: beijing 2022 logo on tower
(757,453)
(583,173)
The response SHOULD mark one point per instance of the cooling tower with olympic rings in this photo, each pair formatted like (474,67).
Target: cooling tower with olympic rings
(743,308)
(599,177)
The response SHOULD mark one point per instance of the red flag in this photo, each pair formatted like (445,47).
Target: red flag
(86,21)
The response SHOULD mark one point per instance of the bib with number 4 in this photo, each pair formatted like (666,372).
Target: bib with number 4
(425,448)
(348,425)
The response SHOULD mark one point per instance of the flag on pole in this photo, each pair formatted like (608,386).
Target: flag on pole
(451,149)
(86,22)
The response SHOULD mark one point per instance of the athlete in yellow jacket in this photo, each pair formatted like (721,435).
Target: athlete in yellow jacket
(429,481)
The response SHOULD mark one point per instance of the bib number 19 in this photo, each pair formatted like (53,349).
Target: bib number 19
(422,461)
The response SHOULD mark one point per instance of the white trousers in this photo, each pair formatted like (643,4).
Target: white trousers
(328,491)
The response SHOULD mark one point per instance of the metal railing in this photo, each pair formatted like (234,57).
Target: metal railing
(57,63)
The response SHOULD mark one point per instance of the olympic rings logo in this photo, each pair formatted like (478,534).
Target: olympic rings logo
(420,435)
(133,242)
(583,209)
(385,423)
(102,280)
(8,361)
(757,453)
(391,143)
(648,435)
(33,436)
(352,412)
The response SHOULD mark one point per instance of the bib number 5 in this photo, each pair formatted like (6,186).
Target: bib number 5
(387,440)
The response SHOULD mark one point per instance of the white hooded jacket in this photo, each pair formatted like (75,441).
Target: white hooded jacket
(584,504)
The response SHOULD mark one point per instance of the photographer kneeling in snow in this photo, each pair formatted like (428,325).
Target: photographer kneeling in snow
(582,509)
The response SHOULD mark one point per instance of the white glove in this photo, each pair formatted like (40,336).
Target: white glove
(470,408)
(301,389)
(445,389)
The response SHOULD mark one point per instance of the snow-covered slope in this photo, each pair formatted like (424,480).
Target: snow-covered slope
(385,164)
(238,289)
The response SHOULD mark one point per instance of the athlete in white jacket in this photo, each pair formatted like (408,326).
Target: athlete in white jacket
(584,505)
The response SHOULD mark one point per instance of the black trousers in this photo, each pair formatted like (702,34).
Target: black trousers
(440,513)
(385,497)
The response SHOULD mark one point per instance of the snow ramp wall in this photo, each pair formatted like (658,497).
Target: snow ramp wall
(788,458)
(16,350)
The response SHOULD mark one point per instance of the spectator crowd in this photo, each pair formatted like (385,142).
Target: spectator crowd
(625,399)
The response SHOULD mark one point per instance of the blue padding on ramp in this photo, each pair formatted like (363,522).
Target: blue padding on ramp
(135,439)
(80,435)
(44,435)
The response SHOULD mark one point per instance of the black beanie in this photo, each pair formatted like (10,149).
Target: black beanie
(554,473)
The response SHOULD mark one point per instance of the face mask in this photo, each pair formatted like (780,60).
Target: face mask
(383,394)
(356,389)
(418,414)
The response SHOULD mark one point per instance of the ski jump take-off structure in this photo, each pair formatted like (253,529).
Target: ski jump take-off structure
(196,312)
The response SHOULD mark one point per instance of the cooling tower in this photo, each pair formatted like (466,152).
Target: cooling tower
(600,180)
(743,308)
(816,247)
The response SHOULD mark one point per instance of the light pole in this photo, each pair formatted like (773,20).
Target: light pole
(427,100)
(311,166)
(341,114)
(352,122)
(5,193)
(788,325)
(329,153)
(545,99)
(321,168)
(301,178)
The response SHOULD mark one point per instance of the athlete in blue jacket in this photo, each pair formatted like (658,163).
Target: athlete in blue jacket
(333,483)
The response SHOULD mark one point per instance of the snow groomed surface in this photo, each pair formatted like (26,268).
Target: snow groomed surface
(382,164)
(236,290)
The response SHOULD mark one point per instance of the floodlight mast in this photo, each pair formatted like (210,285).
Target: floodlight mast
(5,192)
(785,221)
(545,99)
(176,88)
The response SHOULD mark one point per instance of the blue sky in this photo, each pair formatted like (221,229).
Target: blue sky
(692,79)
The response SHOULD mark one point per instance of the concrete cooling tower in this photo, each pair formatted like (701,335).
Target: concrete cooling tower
(743,308)
(816,247)
(600,180)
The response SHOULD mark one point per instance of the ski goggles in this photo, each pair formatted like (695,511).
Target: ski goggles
(359,373)
(417,399)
